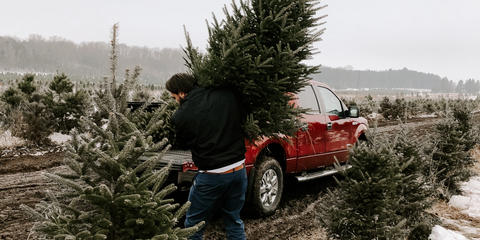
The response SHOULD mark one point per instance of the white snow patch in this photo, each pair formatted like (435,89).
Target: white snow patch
(469,202)
(374,115)
(440,233)
(59,138)
(40,153)
(8,141)
(432,115)
(463,226)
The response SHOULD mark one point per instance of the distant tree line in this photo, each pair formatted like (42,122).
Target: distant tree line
(340,78)
(469,86)
(37,54)
(89,61)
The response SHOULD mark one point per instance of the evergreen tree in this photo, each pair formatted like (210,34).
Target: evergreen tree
(386,108)
(67,106)
(26,85)
(28,116)
(368,106)
(451,161)
(147,114)
(382,196)
(397,109)
(36,123)
(463,116)
(61,84)
(460,87)
(259,51)
(414,192)
(12,97)
(114,195)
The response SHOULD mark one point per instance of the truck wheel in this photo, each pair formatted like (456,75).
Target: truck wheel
(267,187)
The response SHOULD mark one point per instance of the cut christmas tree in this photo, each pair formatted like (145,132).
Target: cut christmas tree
(259,51)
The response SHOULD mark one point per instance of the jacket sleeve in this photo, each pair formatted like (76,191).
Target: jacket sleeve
(182,140)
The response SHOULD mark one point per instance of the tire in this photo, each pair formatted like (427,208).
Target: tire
(267,187)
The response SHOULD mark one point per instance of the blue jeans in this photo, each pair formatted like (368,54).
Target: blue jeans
(211,192)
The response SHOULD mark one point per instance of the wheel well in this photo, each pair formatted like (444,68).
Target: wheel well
(362,137)
(276,151)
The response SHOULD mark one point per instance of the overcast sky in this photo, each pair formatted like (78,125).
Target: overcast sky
(436,36)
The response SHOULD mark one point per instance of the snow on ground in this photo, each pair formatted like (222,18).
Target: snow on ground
(440,233)
(469,202)
(13,146)
(39,153)
(59,138)
(468,205)
(374,115)
(432,115)
(9,141)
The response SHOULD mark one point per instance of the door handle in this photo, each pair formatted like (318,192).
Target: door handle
(329,126)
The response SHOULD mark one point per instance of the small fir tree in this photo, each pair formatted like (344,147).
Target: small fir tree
(386,108)
(114,195)
(463,116)
(414,192)
(12,97)
(66,105)
(259,51)
(26,85)
(36,122)
(368,106)
(397,109)
(29,117)
(382,196)
(451,161)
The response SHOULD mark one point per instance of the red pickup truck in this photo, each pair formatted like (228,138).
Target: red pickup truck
(330,130)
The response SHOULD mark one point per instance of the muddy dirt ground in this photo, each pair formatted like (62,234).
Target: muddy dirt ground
(22,182)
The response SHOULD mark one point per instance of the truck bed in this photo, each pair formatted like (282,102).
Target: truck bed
(177,158)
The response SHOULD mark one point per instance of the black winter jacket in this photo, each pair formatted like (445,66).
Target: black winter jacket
(208,122)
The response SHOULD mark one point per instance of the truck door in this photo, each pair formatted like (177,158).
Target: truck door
(310,137)
(338,128)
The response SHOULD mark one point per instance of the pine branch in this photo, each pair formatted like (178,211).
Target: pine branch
(64,181)
(114,58)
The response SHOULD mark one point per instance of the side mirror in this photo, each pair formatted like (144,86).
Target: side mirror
(354,112)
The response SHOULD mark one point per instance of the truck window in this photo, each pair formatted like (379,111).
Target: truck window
(333,106)
(308,100)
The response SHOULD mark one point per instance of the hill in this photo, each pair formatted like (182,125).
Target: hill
(91,61)
(340,78)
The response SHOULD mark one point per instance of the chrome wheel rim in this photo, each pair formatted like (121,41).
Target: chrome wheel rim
(269,188)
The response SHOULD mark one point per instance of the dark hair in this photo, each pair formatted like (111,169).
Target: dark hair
(180,82)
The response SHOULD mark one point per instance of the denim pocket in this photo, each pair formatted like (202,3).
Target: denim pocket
(207,182)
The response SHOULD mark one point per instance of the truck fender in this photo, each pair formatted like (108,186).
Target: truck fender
(361,129)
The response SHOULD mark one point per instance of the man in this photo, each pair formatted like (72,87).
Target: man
(208,122)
